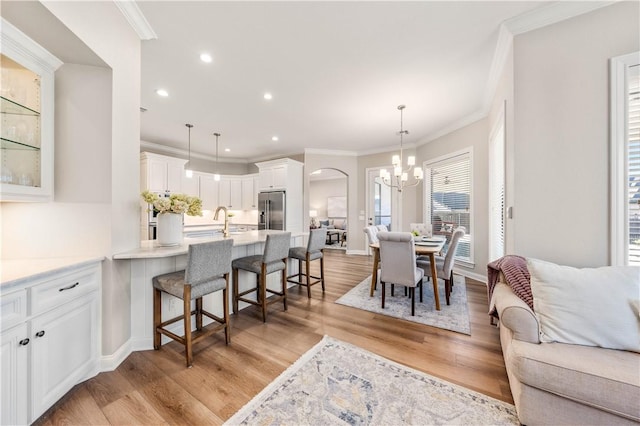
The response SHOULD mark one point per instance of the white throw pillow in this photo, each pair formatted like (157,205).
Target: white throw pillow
(590,306)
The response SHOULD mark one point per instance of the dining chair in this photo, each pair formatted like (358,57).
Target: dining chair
(445,264)
(372,233)
(313,251)
(207,271)
(423,229)
(398,256)
(274,259)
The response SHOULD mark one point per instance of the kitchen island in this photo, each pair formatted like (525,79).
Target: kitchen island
(150,260)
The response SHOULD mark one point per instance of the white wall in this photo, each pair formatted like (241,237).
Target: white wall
(562,134)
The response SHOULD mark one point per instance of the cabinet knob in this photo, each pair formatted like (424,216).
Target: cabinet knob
(40,333)
(24,342)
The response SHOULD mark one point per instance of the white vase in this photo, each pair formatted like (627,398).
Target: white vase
(170,229)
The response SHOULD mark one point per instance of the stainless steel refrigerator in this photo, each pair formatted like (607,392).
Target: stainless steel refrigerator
(271,210)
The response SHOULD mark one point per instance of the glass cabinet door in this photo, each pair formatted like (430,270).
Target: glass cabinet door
(26,117)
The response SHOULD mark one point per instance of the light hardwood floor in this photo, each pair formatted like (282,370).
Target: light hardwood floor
(154,387)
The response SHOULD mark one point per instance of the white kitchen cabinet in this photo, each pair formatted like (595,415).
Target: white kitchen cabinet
(249,192)
(159,173)
(27,117)
(273,177)
(13,370)
(209,190)
(230,194)
(65,347)
(191,186)
(50,340)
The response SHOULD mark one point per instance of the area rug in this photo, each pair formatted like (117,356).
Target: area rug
(454,317)
(336,383)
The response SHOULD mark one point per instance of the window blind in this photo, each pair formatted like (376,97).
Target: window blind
(633,165)
(496,195)
(449,199)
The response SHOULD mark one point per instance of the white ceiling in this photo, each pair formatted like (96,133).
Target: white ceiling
(337,72)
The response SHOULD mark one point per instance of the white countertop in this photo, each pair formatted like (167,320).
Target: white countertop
(14,272)
(150,249)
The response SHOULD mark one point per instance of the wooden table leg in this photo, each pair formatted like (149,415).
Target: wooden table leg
(374,274)
(434,277)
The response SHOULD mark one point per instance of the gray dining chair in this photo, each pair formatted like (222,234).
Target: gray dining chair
(313,251)
(371,232)
(398,256)
(274,259)
(207,271)
(445,264)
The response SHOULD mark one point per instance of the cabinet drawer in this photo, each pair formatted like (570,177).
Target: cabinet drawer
(63,289)
(13,309)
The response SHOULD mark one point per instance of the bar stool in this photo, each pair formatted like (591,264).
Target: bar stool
(207,271)
(274,259)
(313,251)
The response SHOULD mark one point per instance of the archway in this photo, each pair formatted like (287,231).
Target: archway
(328,205)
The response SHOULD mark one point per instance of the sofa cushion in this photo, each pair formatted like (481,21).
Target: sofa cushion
(607,379)
(590,306)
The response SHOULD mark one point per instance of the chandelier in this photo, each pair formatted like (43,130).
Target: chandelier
(400,177)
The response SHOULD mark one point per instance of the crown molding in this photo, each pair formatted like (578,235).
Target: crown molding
(552,13)
(456,125)
(17,42)
(136,19)
(169,150)
(330,152)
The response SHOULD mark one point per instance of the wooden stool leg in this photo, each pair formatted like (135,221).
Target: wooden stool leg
(225,310)
(199,313)
(235,291)
(308,273)
(284,284)
(263,291)
(157,317)
(187,325)
(322,271)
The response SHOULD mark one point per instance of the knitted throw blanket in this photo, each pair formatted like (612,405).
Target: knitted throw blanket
(515,273)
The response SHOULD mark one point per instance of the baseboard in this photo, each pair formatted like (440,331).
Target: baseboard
(111,362)
(469,274)
(359,252)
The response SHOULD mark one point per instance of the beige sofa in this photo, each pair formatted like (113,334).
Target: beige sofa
(557,383)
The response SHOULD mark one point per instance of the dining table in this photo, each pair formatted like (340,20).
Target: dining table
(424,247)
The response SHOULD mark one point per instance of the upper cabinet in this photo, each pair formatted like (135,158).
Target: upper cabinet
(159,173)
(27,114)
(231,193)
(272,177)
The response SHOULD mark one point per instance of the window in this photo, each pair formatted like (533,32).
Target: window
(448,198)
(625,156)
(496,190)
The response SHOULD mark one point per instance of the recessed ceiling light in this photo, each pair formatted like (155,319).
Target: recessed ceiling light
(227,150)
(274,138)
(205,57)
(268,96)
(162,92)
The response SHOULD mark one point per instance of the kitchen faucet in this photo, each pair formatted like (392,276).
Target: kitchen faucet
(225,230)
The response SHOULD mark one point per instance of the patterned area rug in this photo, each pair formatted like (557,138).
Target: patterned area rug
(336,383)
(454,317)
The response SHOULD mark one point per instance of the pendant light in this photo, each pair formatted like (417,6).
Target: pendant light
(400,175)
(216,176)
(187,167)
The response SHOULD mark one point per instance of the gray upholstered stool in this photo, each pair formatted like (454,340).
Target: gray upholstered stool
(207,271)
(274,259)
(313,251)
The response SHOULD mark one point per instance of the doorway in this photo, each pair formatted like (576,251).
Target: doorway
(383,203)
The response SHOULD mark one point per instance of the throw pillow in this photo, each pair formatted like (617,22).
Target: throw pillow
(590,306)
(324,223)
